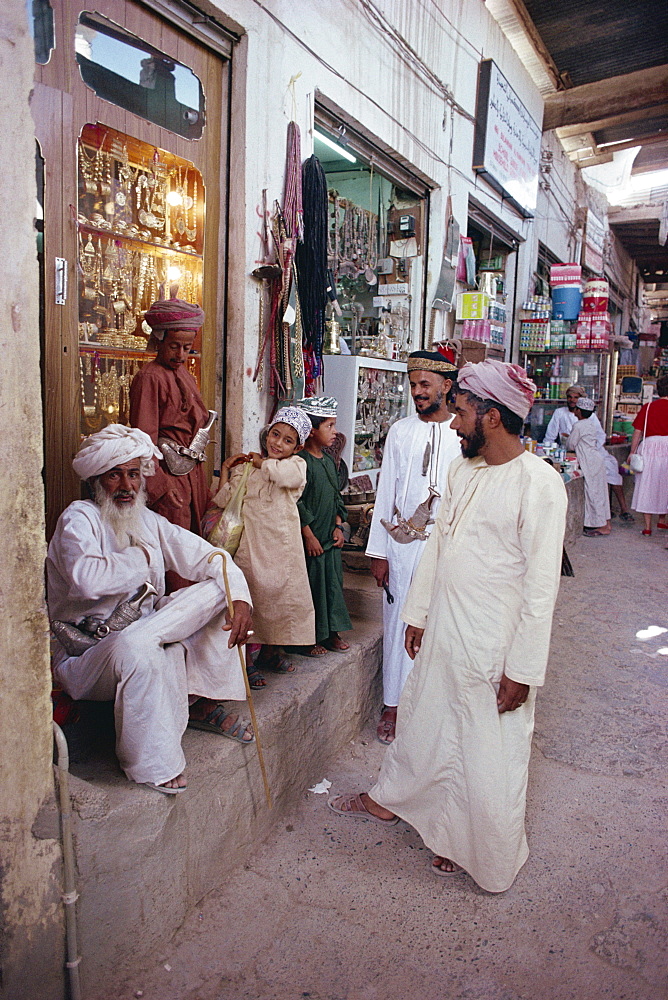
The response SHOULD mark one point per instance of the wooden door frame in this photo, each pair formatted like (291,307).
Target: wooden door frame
(62,103)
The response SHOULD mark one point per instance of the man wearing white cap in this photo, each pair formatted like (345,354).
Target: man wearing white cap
(479,615)
(417,453)
(591,456)
(559,428)
(180,650)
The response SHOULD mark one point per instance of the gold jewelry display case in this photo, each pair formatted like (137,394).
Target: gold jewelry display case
(140,232)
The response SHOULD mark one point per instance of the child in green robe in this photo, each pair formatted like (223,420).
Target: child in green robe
(322,513)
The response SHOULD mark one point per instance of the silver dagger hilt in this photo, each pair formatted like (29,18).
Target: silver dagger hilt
(201,439)
(126,612)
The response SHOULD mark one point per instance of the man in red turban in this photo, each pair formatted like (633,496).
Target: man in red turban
(166,404)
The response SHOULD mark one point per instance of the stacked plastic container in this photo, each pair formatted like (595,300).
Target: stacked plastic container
(566,282)
(594,324)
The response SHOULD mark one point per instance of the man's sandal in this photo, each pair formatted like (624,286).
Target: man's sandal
(357,809)
(276,664)
(437,870)
(165,789)
(255,679)
(386,729)
(337,645)
(213,723)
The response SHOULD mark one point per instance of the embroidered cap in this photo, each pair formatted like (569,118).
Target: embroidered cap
(430,361)
(319,406)
(295,418)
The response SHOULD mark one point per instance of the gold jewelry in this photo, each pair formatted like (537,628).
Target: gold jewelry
(191,233)
(87,256)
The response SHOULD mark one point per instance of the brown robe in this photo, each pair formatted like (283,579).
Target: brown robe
(166,403)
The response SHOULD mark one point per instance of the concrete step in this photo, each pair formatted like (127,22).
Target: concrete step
(145,859)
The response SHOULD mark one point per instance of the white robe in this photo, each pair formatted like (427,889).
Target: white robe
(177,648)
(583,440)
(484,592)
(561,425)
(403,486)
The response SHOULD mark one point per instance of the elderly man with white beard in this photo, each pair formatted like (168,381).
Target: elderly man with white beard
(177,662)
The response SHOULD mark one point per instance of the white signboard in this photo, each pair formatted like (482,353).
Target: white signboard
(506,149)
(592,251)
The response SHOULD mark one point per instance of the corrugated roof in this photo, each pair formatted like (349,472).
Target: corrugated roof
(596,39)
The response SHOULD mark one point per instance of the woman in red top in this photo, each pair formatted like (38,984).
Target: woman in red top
(650,493)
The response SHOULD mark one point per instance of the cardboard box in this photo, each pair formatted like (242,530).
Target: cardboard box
(472,305)
(565,274)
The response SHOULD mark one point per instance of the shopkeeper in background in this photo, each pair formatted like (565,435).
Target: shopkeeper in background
(166,404)
(560,426)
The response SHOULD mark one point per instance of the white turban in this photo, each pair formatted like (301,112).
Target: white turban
(114,445)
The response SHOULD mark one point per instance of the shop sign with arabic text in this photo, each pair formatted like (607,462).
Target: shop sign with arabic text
(506,149)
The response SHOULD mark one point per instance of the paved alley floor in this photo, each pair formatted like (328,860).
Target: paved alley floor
(331,909)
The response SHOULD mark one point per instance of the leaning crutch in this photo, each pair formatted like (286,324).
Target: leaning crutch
(230,605)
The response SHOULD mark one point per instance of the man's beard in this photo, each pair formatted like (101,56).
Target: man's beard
(125,520)
(472,444)
(433,407)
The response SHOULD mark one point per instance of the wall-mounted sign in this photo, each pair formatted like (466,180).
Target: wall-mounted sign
(506,149)
(594,242)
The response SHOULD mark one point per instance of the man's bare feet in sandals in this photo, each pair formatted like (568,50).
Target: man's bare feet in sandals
(362,807)
(336,643)
(444,866)
(178,782)
(385,731)
(171,787)
(213,717)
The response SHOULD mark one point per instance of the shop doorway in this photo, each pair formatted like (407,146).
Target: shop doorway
(131,117)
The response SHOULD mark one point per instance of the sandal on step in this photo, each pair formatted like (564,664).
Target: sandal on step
(357,809)
(337,645)
(213,723)
(165,789)
(255,680)
(276,664)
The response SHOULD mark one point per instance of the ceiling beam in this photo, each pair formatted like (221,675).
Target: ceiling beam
(605,98)
(639,114)
(641,140)
(526,24)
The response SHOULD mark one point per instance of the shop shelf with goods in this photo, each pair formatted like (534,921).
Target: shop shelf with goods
(140,233)
(372,393)
(481,322)
(554,371)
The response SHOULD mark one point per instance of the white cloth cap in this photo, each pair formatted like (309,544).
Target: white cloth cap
(114,445)
(295,418)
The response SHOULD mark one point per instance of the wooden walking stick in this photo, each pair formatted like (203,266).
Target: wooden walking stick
(230,605)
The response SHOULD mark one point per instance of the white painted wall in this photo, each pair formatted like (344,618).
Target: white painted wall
(357,54)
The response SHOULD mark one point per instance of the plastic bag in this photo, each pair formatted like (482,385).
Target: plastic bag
(225,528)
(636,461)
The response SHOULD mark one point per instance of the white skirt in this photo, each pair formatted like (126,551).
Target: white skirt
(650,491)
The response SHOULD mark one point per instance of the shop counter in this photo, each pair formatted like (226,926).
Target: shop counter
(575,511)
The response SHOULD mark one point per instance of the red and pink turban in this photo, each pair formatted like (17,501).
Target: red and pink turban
(173,314)
(501,382)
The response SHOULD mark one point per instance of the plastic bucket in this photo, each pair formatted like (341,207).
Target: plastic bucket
(595,298)
(566,300)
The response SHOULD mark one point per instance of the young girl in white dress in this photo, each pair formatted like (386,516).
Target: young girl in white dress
(271,553)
